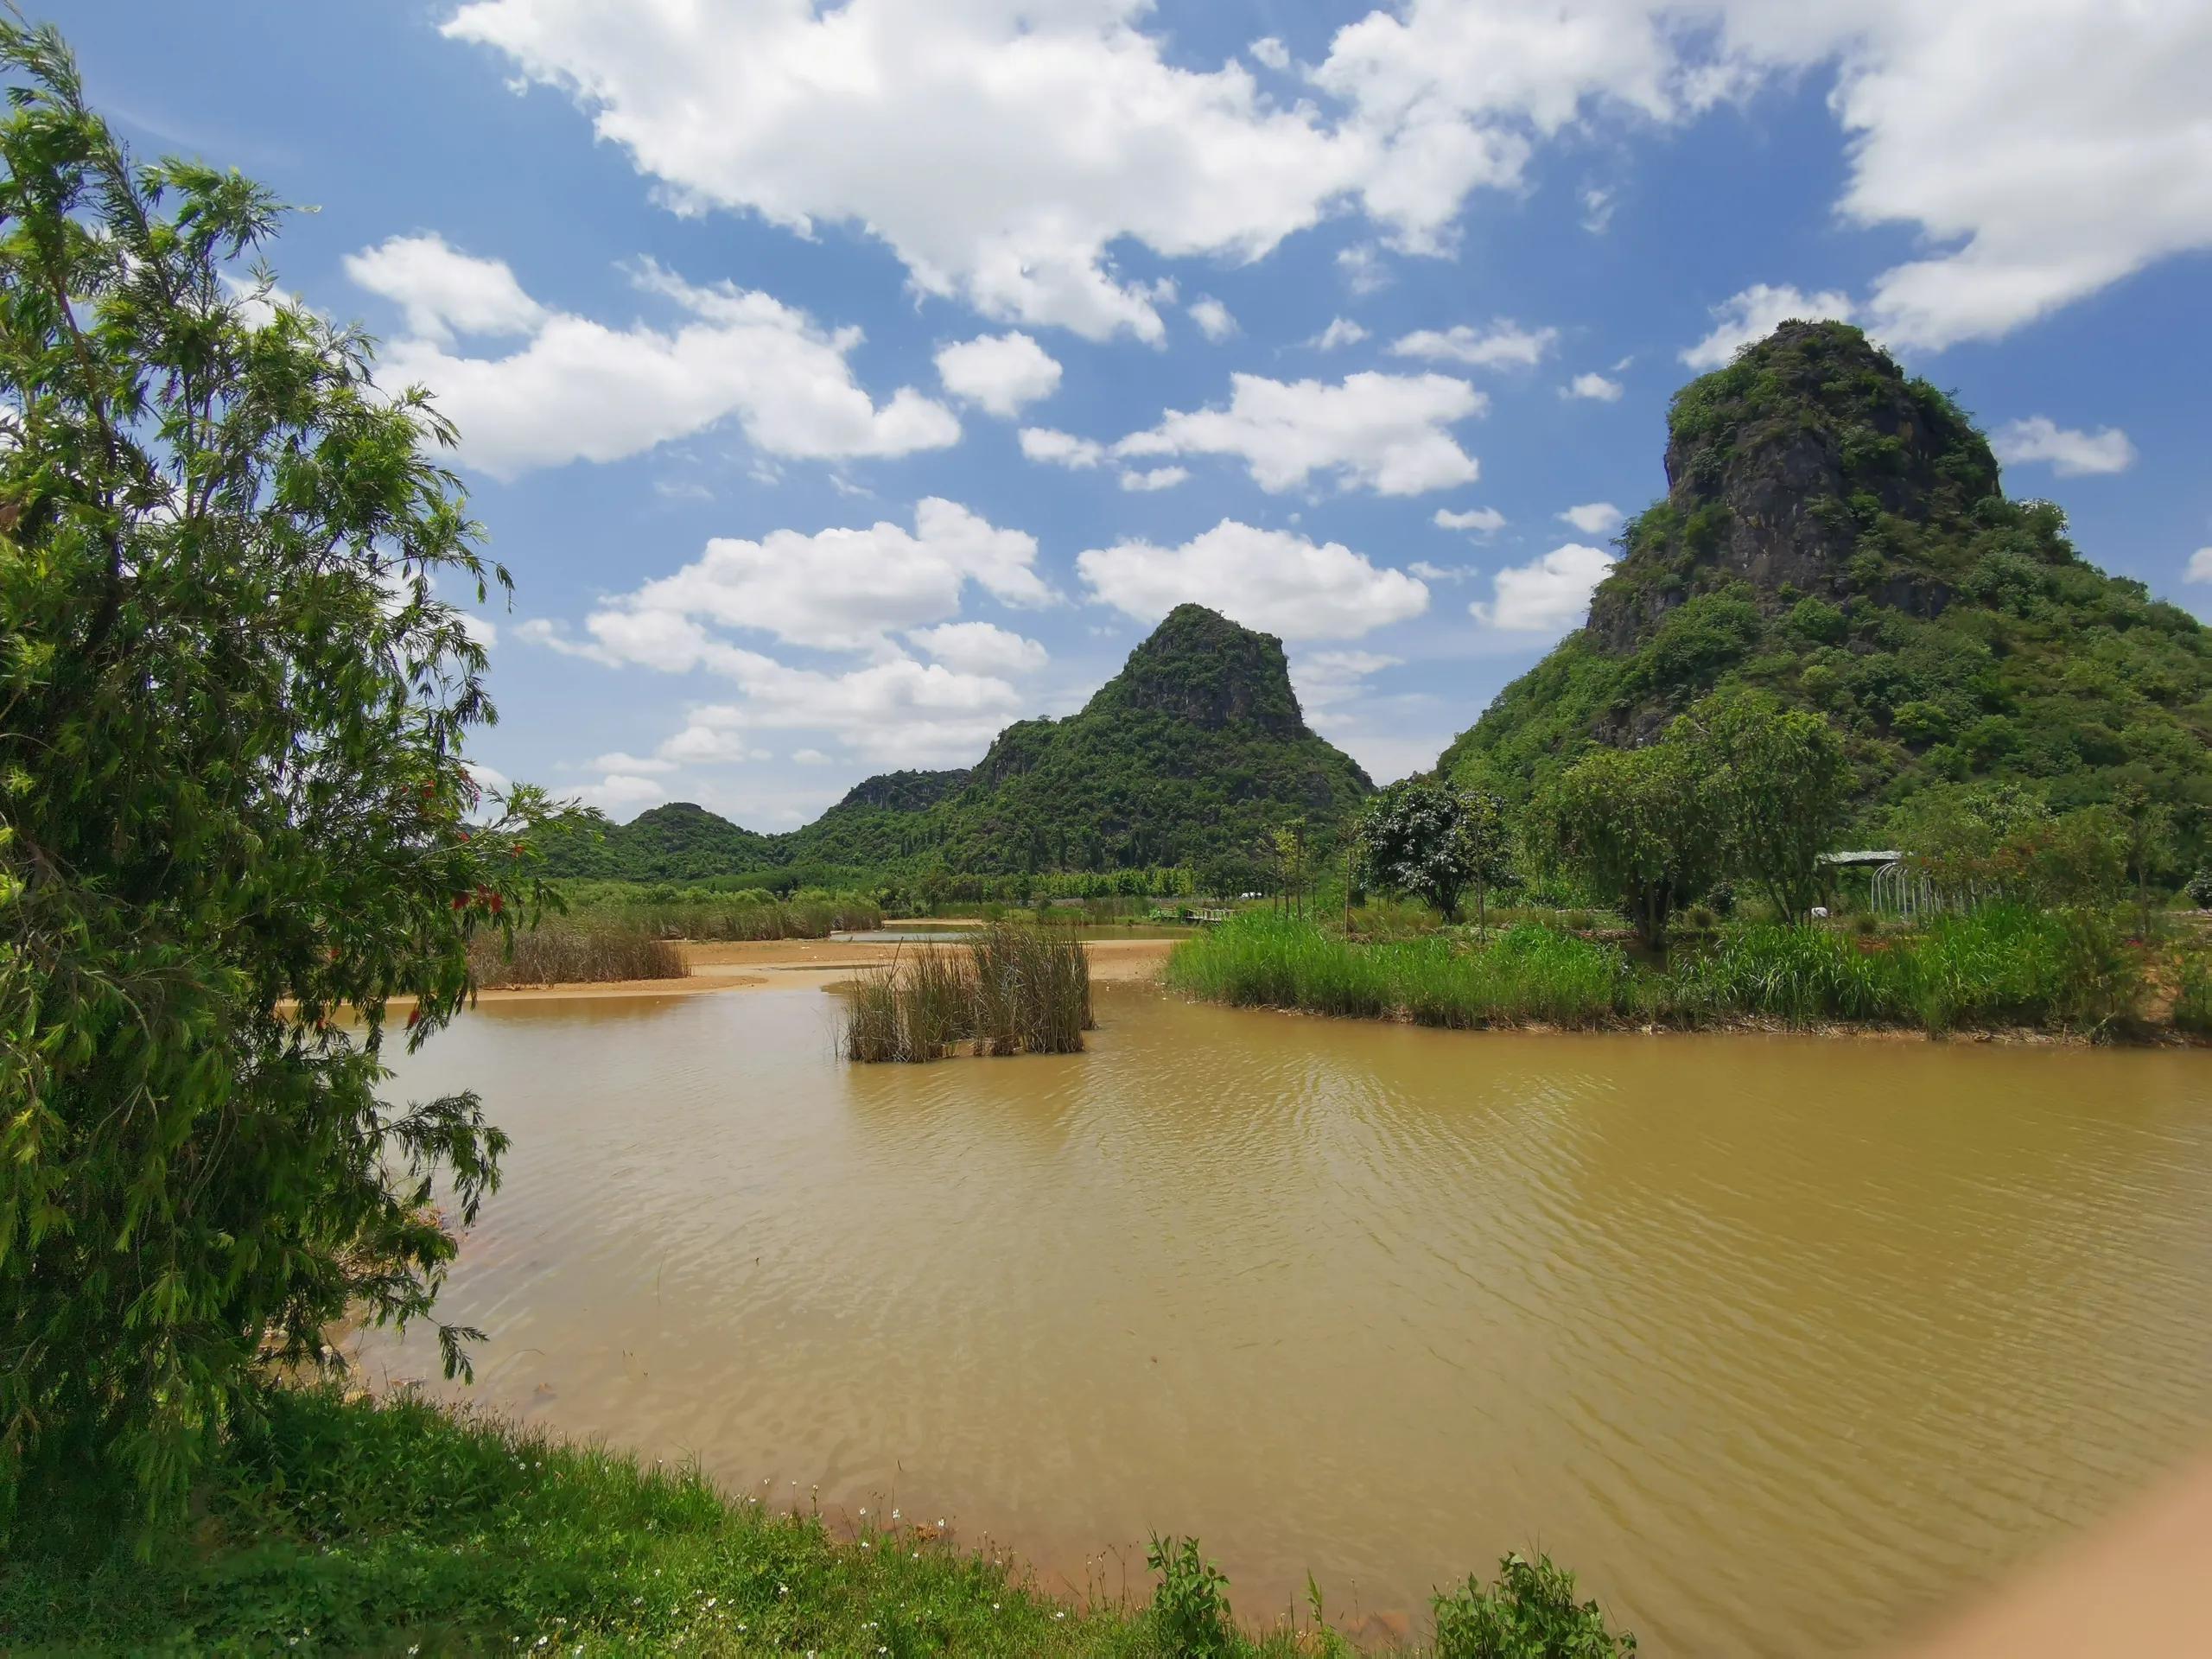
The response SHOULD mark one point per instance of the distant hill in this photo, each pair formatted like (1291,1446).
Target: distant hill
(1836,532)
(1189,753)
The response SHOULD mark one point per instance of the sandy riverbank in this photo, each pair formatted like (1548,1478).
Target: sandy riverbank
(759,965)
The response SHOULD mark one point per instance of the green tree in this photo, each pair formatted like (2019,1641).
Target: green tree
(1424,836)
(1779,780)
(233,806)
(1635,825)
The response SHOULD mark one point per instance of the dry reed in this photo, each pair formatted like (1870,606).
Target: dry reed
(1011,989)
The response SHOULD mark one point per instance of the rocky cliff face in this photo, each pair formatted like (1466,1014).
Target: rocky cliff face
(1199,668)
(1775,468)
(1835,533)
(904,792)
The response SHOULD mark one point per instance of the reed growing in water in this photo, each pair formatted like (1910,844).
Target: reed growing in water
(574,953)
(1011,989)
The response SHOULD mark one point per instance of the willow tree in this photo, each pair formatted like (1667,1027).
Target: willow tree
(232,807)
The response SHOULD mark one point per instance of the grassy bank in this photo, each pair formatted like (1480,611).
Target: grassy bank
(397,1528)
(1009,989)
(2000,967)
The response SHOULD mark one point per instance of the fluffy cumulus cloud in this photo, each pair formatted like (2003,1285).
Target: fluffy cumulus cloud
(2068,452)
(1212,318)
(900,712)
(1000,373)
(1384,432)
(834,589)
(1593,386)
(1341,331)
(1504,344)
(1154,477)
(578,390)
(1595,518)
(979,648)
(1273,579)
(1055,448)
(622,794)
(1755,314)
(1546,595)
(2200,566)
(442,292)
(1002,147)
(1482,521)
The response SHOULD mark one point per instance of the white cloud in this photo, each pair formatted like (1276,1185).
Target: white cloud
(2070,453)
(489,779)
(1757,312)
(1504,343)
(898,712)
(1384,431)
(1595,518)
(618,791)
(1270,53)
(1003,148)
(1324,679)
(999,372)
(979,648)
(809,757)
(1341,331)
(1212,318)
(2038,163)
(442,292)
(580,391)
(2200,566)
(836,589)
(619,761)
(1362,268)
(1155,478)
(1268,579)
(1042,443)
(1547,594)
(1597,207)
(1594,386)
(1483,521)
(1428,572)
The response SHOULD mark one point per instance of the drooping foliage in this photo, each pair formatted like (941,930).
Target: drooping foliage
(232,806)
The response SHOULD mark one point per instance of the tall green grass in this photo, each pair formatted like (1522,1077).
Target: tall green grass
(1010,989)
(572,951)
(2001,966)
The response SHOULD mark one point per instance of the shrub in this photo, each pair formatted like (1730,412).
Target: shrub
(1012,988)
(2200,888)
(1529,1612)
(1190,1608)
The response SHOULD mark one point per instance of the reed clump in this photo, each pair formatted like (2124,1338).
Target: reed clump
(565,953)
(1011,989)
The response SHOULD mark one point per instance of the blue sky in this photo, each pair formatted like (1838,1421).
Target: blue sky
(691,276)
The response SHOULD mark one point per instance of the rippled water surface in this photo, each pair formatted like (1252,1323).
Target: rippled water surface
(1779,1343)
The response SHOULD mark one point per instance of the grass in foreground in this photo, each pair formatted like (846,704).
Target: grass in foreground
(364,1528)
(1998,969)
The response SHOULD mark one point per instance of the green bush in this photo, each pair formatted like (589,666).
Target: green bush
(1529,1612)
(1190,1607)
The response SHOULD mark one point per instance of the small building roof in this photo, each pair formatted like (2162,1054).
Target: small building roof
(1878,857)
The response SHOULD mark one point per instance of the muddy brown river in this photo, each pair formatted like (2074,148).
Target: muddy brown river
(1780,1344)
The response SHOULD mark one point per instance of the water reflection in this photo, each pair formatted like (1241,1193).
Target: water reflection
(1776,1341)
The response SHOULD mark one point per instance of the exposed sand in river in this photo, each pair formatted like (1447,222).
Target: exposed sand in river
(751,965)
